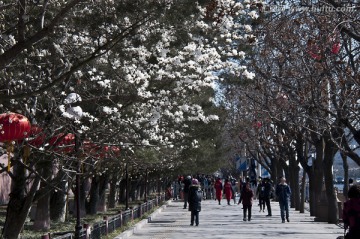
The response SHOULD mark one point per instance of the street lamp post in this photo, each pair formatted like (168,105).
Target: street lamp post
(75,113)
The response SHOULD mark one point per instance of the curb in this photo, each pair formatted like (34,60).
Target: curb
(130,231)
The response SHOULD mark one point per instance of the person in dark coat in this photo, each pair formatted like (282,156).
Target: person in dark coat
(283,193)
(351,213)
(194,199)
(247,198)
(260,192)
(187,183)
(268,189)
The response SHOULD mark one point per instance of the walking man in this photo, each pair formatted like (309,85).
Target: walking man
(187,183)
(267,195)
(283,193)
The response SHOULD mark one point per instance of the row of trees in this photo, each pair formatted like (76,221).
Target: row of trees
(100,76)
(303,106)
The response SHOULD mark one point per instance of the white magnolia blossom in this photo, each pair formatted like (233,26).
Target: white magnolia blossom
(159,75)
(248,75)
(72,98)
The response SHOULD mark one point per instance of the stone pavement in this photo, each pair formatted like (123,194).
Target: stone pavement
(226,221)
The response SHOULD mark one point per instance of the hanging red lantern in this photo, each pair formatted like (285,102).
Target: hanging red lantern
(63,143)
(115,151)
(13,127)
(98,151)
(37,136)
(257,124)
(91,149)
(313,50)
(336,48)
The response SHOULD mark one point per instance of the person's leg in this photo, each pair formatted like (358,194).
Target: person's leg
(287,210)
(282,211)
(268,205)
(197,218)
(192,218)
(263,202)
(249,213)
(244,212)
(186,196)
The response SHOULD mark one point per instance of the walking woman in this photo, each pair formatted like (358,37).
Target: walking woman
(218,189)
(228,191)
(247,198)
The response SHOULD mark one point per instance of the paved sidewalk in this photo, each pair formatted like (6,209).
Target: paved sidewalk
(226,221)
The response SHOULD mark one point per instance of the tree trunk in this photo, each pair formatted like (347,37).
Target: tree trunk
(312,198)
(133,186)
(274,169)
(329,153)
(58,200)
(294,184)
(122,191)
(94,195)
(104,180)
(142,189)
(302,193)
(318,175)
(19,204)
(112,194)
(42,217)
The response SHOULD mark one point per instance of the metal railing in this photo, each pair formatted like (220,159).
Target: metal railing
(110,224)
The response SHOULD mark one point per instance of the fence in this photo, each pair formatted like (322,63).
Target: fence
(110,224)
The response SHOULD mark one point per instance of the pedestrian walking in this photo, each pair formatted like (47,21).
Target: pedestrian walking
(194,199)
(351,213)
(175,186)
(234,188)
(260,192)
(268,195)
(187,183)
(228,191)
(283,193)
(246,198)
(218,189)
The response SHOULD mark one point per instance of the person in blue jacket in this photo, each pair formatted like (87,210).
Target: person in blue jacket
(283,193)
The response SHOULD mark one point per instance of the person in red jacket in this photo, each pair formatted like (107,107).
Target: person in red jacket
(228,191)
(351,213)
(218,189)
(246,198)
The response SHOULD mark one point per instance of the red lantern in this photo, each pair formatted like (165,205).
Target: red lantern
(98,151)
(13,127)
(336,48)
(91,149)
(257,124)
(115,150)
(313,50)
(63,143)
(37,136)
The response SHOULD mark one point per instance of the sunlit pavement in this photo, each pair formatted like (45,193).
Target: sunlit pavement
(226,221)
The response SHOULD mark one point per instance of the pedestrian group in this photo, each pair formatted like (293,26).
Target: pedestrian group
(194,189)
